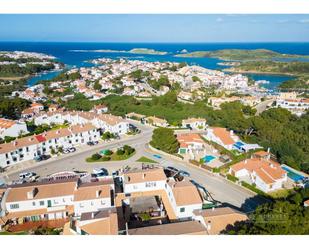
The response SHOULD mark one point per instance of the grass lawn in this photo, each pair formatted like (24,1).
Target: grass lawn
(113,157)
(282,193)
(9,233)
(144,159)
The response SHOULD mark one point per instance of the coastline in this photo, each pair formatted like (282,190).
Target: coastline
(229,70)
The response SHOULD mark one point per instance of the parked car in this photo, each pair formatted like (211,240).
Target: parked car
(91,143)
(184,173)
(26,175)
(170,171)
(170,168)
(69,150)
(41,158)
(157,156)
(101,171)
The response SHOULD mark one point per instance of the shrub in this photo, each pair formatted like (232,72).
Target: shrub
(254,189)
(96,156)
(128,149)
(120,152)
(232,178)
(106,158)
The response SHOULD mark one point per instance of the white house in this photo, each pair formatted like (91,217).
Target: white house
(12,128)
(184,198)
(27,148)
(195,123)
(266,174)
(190,143)
(222,137)
(143,180)
(93,196)
(39,201)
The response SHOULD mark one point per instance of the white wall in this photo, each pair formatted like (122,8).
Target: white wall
(91,205)
(144,186)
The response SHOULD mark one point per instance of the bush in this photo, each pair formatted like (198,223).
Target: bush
(232,178)
(106,158)
(254,189)
(120,152)
(128,149)
(96,156)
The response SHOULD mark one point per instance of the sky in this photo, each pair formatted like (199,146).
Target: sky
(154,28)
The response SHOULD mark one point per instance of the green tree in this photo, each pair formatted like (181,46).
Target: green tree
(165,140)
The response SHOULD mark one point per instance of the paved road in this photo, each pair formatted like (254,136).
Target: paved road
(220,189)
(262,106)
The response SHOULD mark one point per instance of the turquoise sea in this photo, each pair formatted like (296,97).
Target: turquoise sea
(63,52)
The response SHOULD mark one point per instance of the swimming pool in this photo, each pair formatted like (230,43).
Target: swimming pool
(208,158)
(291,174)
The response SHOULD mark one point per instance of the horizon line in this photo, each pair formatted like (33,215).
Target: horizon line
(149,42)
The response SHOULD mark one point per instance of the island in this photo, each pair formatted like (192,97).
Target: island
(241,54)
(132,51)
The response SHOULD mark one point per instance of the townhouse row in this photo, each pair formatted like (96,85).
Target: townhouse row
(107,206)
(28,148)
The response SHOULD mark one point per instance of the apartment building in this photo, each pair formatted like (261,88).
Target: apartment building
(27,148)
(104,122)
(12,128)
(55,199)
(297,106)
(179,198)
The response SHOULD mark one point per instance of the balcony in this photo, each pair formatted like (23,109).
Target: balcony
(56,208)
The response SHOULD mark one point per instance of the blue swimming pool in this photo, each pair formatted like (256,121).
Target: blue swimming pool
(291,174)
(208,158)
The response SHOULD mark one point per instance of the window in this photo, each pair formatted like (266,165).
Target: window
(14,206)
(41,203)
(182,210)
(33,203)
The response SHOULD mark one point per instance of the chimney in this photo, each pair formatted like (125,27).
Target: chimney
(272,166)
(92,215)
(246,161)
(58,132)
(268,150)
(208,226)
(231,132)
(15,143)
(97,194)
(31,194)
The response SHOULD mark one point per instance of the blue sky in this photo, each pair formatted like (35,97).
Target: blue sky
(155,28)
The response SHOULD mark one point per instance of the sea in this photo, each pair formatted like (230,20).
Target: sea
(77,54)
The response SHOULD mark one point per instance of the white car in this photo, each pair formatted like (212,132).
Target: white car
(26,175)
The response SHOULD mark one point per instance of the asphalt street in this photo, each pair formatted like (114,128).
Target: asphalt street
(220,189)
